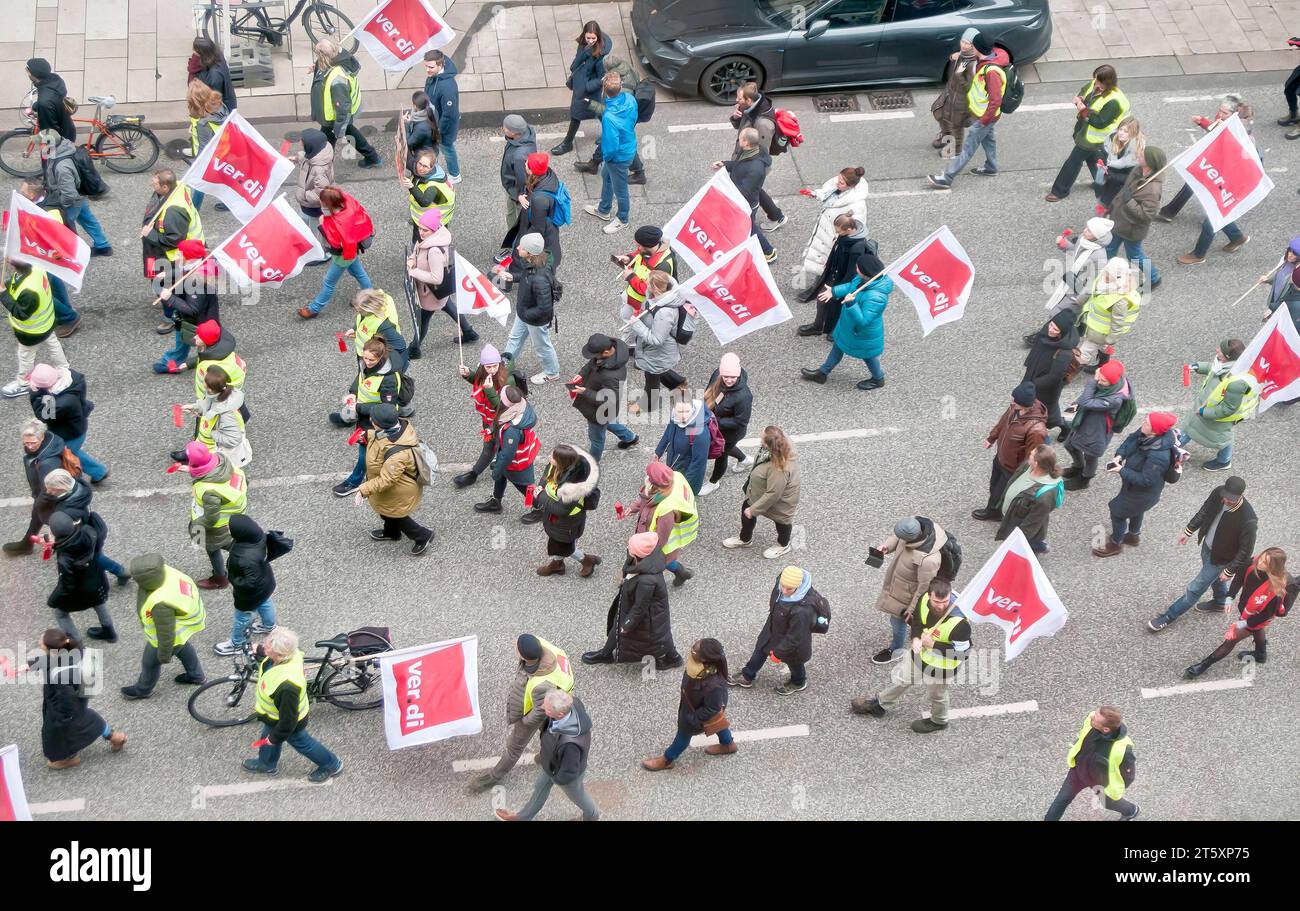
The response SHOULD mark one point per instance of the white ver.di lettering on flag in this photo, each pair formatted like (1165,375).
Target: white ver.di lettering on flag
(273,247)
(1272,360)
(715,221)
(430,692)
(737,295)
(1224,171)
(239,167)
(398,33)
(1012,591)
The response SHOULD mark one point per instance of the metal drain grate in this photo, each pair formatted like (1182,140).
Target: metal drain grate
(900,100)
(835,104)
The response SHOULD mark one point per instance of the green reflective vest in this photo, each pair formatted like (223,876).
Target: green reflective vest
(942,634)
(233,494)
(178,592)
(232,363)
(681,500)
(42,319)
(1249,401)
(1114,780)
(1097,135)
(561,677)
(445,191)
(1098,318)
(977,96)
(180,198)
(269,677)
(327,100)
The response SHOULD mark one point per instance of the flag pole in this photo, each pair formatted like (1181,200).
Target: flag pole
(191,271)
(1264,280)
(460,339)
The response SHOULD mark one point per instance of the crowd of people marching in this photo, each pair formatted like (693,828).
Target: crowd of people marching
(1074,383)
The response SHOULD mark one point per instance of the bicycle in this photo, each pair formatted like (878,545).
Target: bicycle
(339,679)
(122,142)
(251,20)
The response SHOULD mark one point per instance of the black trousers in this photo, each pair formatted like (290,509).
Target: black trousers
(747,527)
(1069,172)
(364,149)
(485,456)
(1087,463)
(1070,789)
(997,484)
(769,206)
(720,463)
(395,527)
(1290,89)
(669,378)
(828,314)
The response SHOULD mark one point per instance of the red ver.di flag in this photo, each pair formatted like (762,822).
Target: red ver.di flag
(272,248)
(397,33)
(714,222)
(33,236)
(431,692)
(239,167)
(1012,591)
(737,295)
(936,275)
(13,799)
(1224,171)
(476,294)
(1273,358)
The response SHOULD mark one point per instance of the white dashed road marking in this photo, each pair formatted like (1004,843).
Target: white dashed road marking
(792,730)
(1177,99)
(691,127)
(57,806)
(481,765)
(1209,686)
(1053,106)
(257,787)
(991,711)
(832,435)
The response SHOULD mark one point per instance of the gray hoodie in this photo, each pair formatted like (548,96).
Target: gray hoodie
(61,177)
(652,332)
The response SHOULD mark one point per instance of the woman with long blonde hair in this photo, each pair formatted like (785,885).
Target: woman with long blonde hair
(1123,153)
(207,113)
(1264,591)
(772,490)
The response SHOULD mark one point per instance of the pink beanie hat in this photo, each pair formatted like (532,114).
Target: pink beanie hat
(43,376)
(729,365)
(642,545)
(431,220)
(201,460)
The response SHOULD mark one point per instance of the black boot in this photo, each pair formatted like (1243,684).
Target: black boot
(815,376)
(586,167)
(1063,435)
(1197,669)
(491,504)
(807,330)
(1078,482)
(598,657)
(636,178)
(464,479)
(564,148)
(1071,472)
(413,351)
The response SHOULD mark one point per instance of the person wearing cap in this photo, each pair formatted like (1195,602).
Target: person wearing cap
(517,447)
(535,298)
(540,192)
(216,348)
(336,98)
(794,611)
(1048,363)
(50,106)
(666,506)
(651,253)
(596,391)
(917,544)
(984,101)
(1143,461)
(1085,258)
(520,142)
(375,316)
(1284,284)
(1108,310)
(771,491)
(1019,431)
(219,418)
(567,493)
(542,667)
(62,183)
(444,98)
(562,759)
(392,486)
(82,583)
(639,624)
(728,398)
(618,150)
(493,374)
(1224,400)
(65,494)
(58,397)
(1100,105)
(1103,409)
(348,232)
(66,319)
(1102,757)
(432,268)
(171,613)
(1225,526)
(194,301)
(1264,591)
(430,191)
(701,707)
(220,491)
(860,330)
(748,168)
(1134,208)
(940,638)
(42,454)
(950,108)
(29,303)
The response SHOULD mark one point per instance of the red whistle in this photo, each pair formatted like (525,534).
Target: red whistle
(1187,374)
(46,547)
(804,191)
(356,436)
(505,263)
(175,466)
(284,147)
(343,346)
(619,509)
(1100,210)
(529,492)
(176,415)
(264,742)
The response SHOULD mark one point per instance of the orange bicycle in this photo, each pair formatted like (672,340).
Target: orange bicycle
(121,142)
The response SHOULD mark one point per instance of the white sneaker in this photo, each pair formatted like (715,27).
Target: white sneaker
(541,378)
(733,543)
(744,465)
(455,180)
(257,628)
(708,488)
(776,550)
(14,390)
(614,226)
(226,649)
(593,209)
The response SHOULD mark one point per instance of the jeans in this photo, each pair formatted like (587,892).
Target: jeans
(1208,577)
(217,558)
(1119,527)
(573,790)
(897,633)
(332,276)
(541,336)
(80,214)
(65,620)
(683,740)
(64,312)
(449,156)
(1230,230)
(596,436)
(836,355)
(637,164)
(92,466)
(977,135)
(244,619)
(1069,172)
(359,470)
(1133,250)
(109,565)
(177,354)
(197,197)
(150,668)
(311,749)
(1224,455)
(613,185)
(1070,789)
(755,231)
(798,672)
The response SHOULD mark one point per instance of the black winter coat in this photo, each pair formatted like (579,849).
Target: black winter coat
(36,465)
(576,490)
(64,413)
(701,699)
(585,75)
(1142,479)
(1234,539)
(733,411)
(749,173)
(536,219)
(641,624)
(534,294)
(218,78)
(841,264)
(82,584)
(1046,366)
(251,577)
(68,723)
(76,504)
(790,623)
(50,112)
(602,381)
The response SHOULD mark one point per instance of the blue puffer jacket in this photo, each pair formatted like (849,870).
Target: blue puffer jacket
(1142,479)
(618,128)
(861,329)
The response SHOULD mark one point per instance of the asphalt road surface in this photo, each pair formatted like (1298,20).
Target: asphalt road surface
(918,449)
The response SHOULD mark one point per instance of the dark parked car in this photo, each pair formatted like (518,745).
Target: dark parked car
(711,47)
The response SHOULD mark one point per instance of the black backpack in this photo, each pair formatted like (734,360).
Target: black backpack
(405,389)
(644,93)
(950,559)
(681,334)
(277,545)
(89,183)
(1014,91)
(822,624)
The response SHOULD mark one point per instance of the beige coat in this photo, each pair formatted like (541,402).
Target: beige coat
(774,493)
(428,265)
(315,174)
(390,485)
(909,573)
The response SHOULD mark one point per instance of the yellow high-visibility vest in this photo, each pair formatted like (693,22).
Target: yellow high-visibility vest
(208,423)
(180,198)
(232,363)
(368,386)
(327,100)
(269,677)
(367,324)
(1097,318)
(977,96)
(682,500)
(561,677)
(1097,135)
(942,633)
(448,193)
(1249,401)
(42,319)
(178,592)
(1114,780)
(233,493)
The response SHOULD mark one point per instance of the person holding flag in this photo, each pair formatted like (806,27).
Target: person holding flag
(66,319)
(1102,757)
(193,301)
(1223,401)
(1284,284)
(1231,104)
(652,253)
(170,218)
(860,330)
(30,304)
(432,269)
(429,191)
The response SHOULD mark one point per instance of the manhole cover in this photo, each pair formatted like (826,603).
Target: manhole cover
(835,104)
(891,101)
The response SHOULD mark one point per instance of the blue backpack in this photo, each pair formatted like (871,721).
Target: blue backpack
(562,211)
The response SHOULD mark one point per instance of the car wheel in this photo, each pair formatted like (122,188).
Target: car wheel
(723,77)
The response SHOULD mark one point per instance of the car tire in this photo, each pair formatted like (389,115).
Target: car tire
(721,78)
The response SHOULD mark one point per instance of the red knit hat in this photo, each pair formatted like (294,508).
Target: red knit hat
(660,475)
(192,249)
(538,163)
(1111,372)
(208,332)
(1162,422)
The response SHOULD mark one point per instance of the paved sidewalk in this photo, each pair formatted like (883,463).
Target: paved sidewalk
(519,49)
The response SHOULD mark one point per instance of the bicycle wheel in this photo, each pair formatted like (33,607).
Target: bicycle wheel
(128,148)
(20,155)
(323,21)
(221,702)
(354,687)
